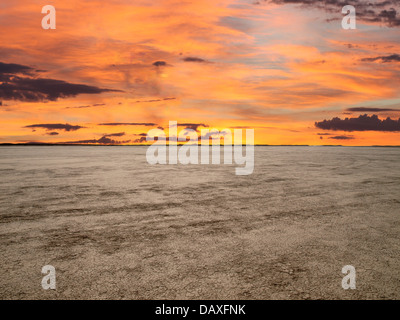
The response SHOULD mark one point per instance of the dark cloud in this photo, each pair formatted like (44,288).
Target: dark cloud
(55,126)
(213,135)
(193,126)
(88,106)
(342,138)
(384,59)
(52,133)
(36,90)
(154,100)
(141,139)
(209,135)
(379,11)
(120,134)
(363,109)
(362,123)
(12,68)
(79,107)
(160,64)
(143,136)
(351,46)
(194,59)
(22,83)
(105,140)
(146,124)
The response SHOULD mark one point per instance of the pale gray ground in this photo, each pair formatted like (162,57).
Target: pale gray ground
(115,227)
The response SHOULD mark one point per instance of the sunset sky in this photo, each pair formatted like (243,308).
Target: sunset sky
(112,70)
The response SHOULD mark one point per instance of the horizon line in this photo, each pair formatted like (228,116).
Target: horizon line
(41,144)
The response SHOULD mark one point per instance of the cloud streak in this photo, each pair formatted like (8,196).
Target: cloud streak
(342,138)
(364,109)
(146,124)
(55,126)
(384,59)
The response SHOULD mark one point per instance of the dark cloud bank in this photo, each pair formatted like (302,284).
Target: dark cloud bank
(362,123)
(19,82)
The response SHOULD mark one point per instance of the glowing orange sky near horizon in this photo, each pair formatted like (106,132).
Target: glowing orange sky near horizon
(275,68)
